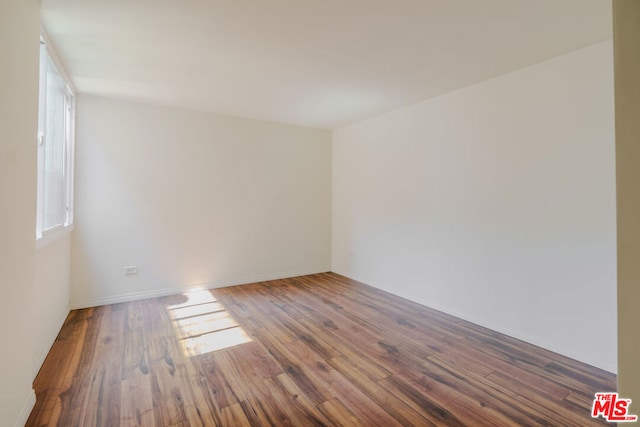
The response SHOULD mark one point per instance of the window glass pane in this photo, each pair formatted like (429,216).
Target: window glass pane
(54,149)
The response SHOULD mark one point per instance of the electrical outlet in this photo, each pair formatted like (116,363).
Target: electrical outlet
(130,270)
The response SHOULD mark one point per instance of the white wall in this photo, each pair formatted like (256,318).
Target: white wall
(19,44)
(53,272)
(51,296)
(495,203)
(193,198)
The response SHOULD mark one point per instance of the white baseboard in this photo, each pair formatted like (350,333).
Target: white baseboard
(29,403)
(133,296)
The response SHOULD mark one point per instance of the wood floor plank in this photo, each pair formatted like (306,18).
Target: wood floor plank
(338,414)
(136,403)
(299,410)
(400,406)
(55,376)
(75,400)
(233,415)
(318,350)
(473,412)
(554,409)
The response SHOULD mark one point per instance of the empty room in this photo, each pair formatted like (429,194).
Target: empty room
(291,213)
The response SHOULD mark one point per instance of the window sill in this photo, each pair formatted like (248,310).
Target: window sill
(52,235)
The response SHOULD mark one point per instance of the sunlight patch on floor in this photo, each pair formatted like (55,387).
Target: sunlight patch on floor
(204,325)
(215,341)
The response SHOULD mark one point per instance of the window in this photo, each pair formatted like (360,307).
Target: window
(55,149)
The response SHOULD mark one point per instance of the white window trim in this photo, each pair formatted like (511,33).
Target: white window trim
(55,58)
(46,237)
(52,235)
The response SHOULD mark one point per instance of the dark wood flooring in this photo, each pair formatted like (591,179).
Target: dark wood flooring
(313,350)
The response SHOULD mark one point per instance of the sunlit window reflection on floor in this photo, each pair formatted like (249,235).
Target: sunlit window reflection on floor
(204,325)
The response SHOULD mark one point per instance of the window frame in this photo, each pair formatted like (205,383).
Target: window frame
(46,236)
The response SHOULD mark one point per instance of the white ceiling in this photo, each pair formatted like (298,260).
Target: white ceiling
(317,63)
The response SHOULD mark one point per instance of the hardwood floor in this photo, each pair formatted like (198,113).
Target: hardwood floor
(312,350)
